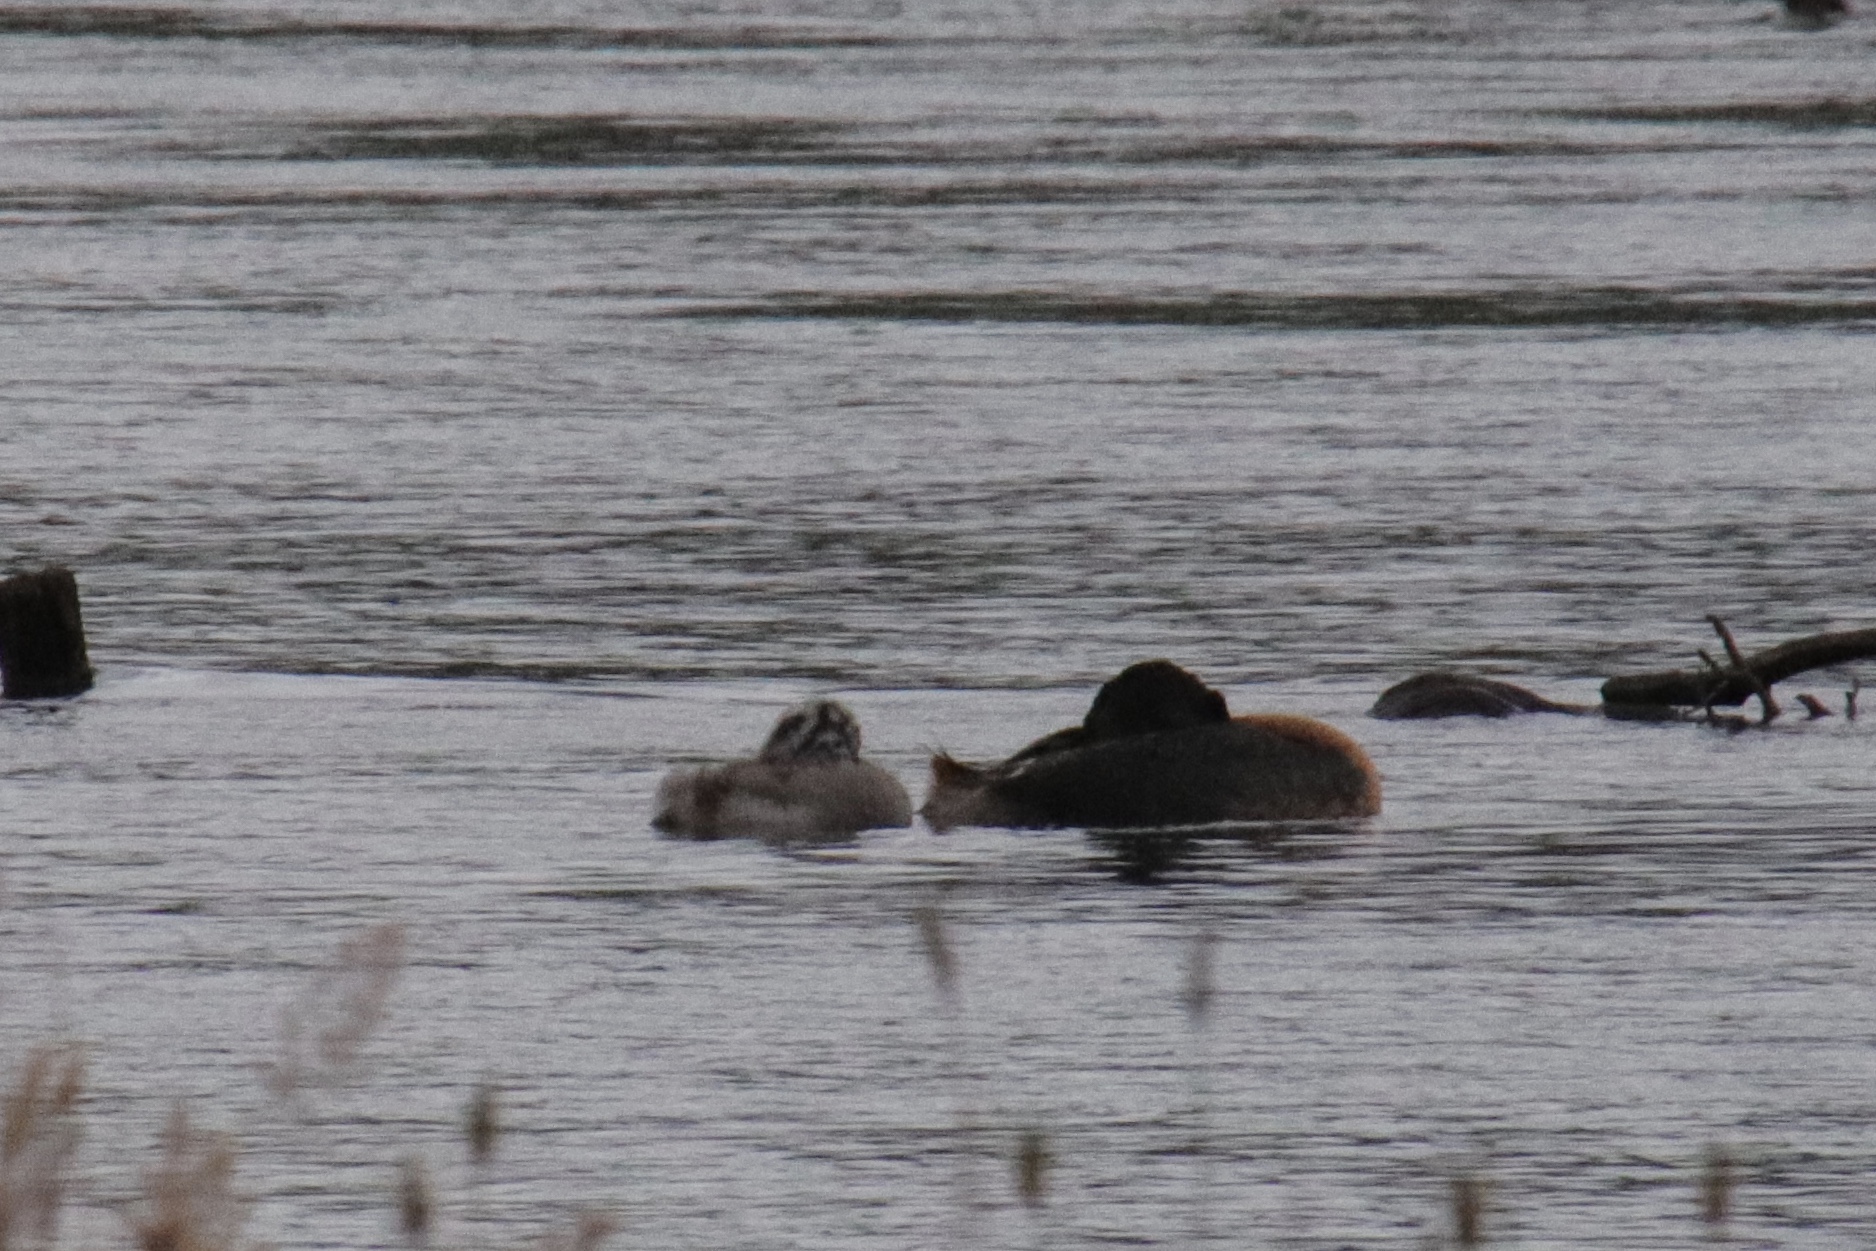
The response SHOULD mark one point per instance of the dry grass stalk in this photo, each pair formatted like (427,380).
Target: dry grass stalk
(1718,1179)
(482,1123)
(323,1029)
(189,1202)
(416,1209)
(1469,1194)
(1197,994)
(1201,985)
(938,954)
(38,1135)
(1032,1167)
(590,1232)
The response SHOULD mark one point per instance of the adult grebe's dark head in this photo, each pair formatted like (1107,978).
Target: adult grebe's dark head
(1151,696)
(820,731)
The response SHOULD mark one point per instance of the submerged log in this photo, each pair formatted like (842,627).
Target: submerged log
(1700,688)
(42,636)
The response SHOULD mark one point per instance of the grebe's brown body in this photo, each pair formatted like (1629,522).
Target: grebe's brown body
(1159,748)
(808,783)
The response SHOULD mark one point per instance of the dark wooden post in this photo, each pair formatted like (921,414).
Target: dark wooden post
(42,636)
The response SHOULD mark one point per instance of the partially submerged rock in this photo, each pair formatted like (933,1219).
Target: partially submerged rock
(1427,696)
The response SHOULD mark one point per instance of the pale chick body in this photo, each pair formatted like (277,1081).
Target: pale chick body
(1159,748)
(807,783)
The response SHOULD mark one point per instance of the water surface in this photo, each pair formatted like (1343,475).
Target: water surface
(457,418)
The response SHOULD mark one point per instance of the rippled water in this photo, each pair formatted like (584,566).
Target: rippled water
(458,416)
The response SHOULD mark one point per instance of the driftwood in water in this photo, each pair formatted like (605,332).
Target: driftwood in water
(1660,696)
(42,636)
(1646,696)
(1703,688)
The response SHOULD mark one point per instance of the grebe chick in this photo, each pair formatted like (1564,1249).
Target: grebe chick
(808,782)
(1159,748)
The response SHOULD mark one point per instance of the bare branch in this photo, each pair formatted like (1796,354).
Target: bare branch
(1685,689)
(1768,708)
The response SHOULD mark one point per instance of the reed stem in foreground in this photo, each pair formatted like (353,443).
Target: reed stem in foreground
(1469,1194)
(189,1201)
(1718,1179)
(39,1134)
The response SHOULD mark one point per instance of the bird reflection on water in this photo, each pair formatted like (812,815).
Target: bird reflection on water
(1153,857)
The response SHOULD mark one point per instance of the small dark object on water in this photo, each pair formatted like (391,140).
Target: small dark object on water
(1430,695)
(42,636)
(1817,14)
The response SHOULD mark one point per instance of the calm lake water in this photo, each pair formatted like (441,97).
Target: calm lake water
(458,415)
